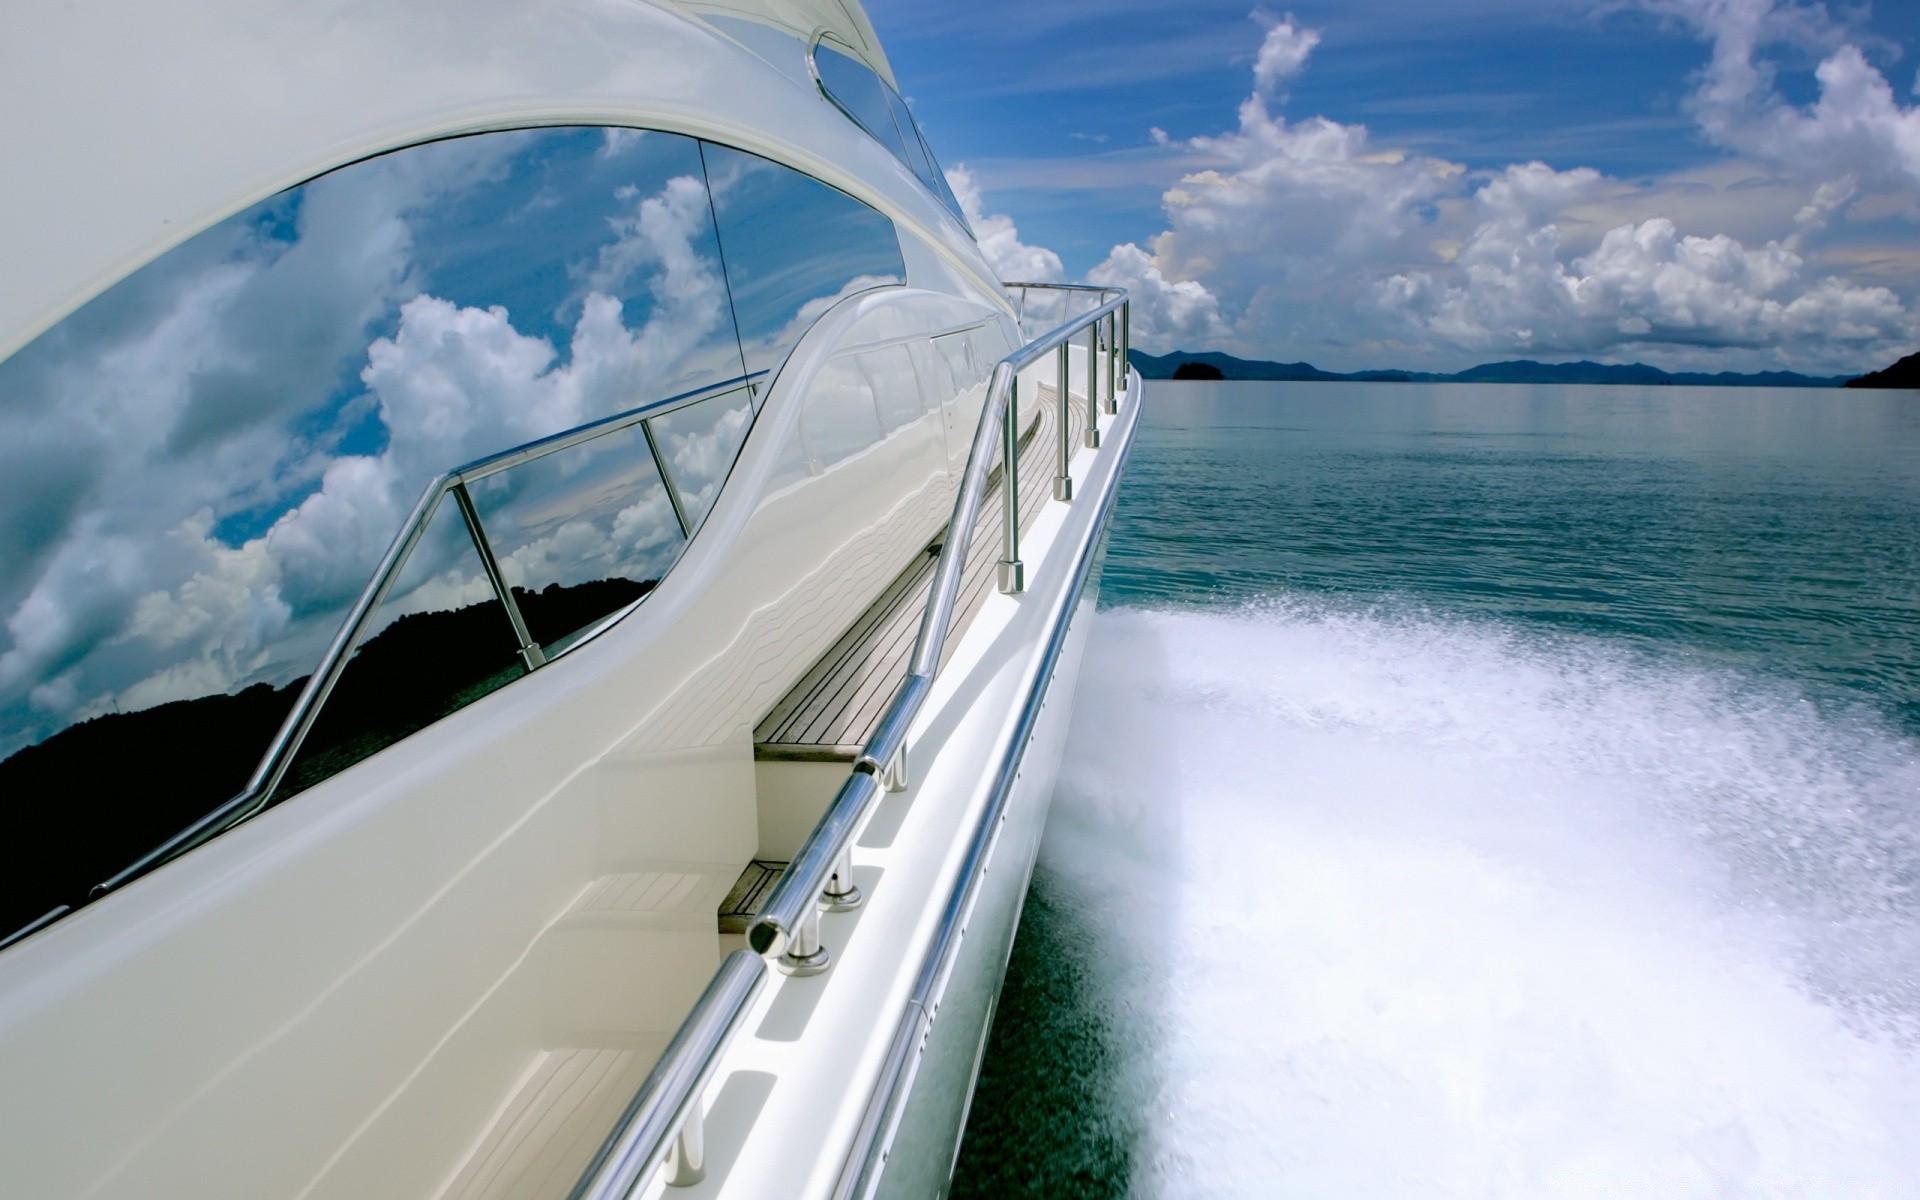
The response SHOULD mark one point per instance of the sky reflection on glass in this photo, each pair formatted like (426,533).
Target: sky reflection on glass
(794,247)
(206,462)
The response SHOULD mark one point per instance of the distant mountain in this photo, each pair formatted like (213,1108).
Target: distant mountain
(1164,366)
(1903,374)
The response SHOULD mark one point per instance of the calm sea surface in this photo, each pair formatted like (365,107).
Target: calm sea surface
(1484,791)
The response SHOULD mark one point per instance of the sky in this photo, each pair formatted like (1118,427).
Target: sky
(1697,184)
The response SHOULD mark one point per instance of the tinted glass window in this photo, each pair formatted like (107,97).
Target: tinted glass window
(863,94)
(878,109)
(205,463)
(917,155)
(580,534)
(698,445)
(439,641)
(793,246)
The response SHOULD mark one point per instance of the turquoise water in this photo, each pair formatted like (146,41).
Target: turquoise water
(1488,791)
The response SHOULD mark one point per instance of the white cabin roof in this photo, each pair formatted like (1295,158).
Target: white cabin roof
(133,125)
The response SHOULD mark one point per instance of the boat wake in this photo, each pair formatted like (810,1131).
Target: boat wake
(1394,905)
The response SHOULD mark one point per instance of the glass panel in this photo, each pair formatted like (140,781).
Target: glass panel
(794,246)
(579,534)
(920,156)
(438,642)
(1043,309)
(700,443)
(916,155)
(942,188)
(879,110)
(204,464)
(896,389)
(858,90)
(839,417)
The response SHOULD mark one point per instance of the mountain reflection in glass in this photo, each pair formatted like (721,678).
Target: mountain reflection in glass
(440,640)
(205,463)
(580,534)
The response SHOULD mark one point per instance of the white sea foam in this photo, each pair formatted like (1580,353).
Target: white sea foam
(1399,906)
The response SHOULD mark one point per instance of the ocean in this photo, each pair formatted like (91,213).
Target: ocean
(1483,791)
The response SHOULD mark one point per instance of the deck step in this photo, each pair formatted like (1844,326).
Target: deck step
(742,904)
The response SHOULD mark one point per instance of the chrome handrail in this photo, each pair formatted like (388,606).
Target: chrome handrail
(655,1128)
(880,1119)
(273,765)
(790,912)
(788,926)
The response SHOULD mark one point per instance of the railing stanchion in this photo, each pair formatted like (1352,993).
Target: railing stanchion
(841,894)
(1013,573)
(530,652)
(1062,473)
(1126,341)
(686,1162)
(805,955)
(1113,375)
(1093,384)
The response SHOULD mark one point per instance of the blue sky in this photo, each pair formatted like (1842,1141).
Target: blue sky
(1701,198)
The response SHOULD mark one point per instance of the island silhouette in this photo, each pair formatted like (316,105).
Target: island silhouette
(1212,364)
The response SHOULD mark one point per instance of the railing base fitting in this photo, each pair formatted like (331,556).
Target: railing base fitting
(1013,576)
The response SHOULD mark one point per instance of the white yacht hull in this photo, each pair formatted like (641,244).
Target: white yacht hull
(443,967)
(927,1143)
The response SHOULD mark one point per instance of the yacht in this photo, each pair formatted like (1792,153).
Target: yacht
(541,588)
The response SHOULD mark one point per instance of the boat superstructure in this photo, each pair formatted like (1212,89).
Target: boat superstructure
(542,610)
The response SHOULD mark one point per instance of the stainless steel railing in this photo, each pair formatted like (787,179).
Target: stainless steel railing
(663,1122)
(866,1158)
(273,766)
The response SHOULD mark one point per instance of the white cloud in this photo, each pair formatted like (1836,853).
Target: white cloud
(1010,258)
(1283,52)
(1164,315)
(1304,238)
(1855,126)
(1644,284)
(1289,220)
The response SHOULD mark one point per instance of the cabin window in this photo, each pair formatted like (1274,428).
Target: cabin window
(859,92)
(794,248)
(206,462)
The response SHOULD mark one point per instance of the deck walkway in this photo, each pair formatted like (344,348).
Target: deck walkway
(829,714)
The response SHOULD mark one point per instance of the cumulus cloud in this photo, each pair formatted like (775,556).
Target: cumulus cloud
(1855,126)
(1283,52)
(1303,237)
(1165,315)
(1281,226)
(1010,258)
(1645,283)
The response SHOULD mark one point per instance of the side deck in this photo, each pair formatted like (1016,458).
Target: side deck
(830,713)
